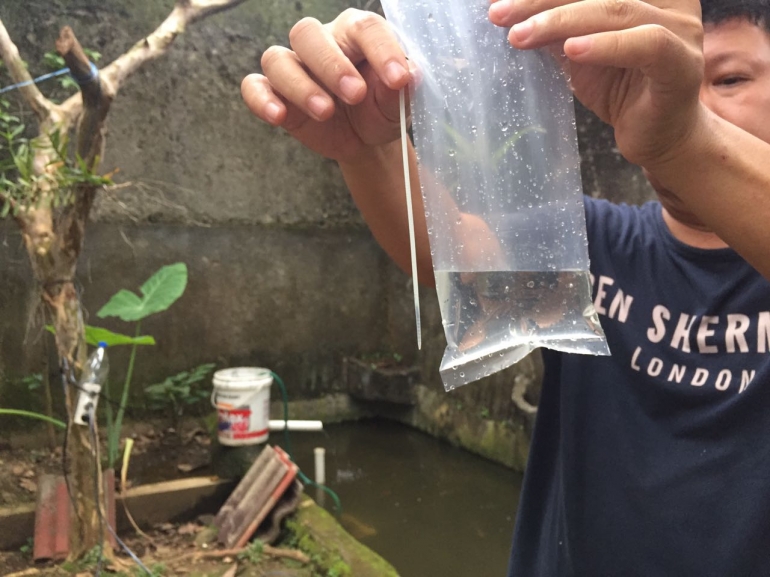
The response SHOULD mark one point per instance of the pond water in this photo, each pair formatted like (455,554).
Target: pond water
(429,508)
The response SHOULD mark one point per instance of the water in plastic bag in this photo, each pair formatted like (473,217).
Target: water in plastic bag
(494,131)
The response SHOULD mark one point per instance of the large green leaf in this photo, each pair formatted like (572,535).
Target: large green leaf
(95,335)
(159,292)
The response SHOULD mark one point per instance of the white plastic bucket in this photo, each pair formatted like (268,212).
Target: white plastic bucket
(241,397)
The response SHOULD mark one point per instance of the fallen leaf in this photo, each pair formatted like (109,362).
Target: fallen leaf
(24,573)
(29,485)
(190,435)
(18,470)
(206,536)
(197,463)
(29,473)
(189,529)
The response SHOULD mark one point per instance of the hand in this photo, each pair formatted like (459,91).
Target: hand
(336,91)
(637,65)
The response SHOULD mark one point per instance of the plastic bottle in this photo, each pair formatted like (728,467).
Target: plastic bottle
(91,381)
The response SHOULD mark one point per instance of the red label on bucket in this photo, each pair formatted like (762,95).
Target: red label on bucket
(237,422)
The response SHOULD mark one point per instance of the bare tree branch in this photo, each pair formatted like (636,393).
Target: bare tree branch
(10,55)
(185,12)
(95,96)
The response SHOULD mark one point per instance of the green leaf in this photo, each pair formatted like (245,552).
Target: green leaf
(95,335)
(68,82)
(159,292)
(511,142)
(466,149)
(92,54)
(53,60)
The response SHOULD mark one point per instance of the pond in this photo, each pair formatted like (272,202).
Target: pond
(429,508)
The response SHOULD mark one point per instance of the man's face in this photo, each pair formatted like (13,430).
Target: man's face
(736,85)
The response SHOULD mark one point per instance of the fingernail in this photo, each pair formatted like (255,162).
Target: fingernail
(317,105)
(579,45)
(500,10)
(523,30)
(350,86)
(272,110)
(394,72)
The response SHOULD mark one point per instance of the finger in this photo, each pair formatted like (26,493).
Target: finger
(506,13)
(316,48)
(289,78)
(582,19)
(367,36)
(261,100)
(655,50)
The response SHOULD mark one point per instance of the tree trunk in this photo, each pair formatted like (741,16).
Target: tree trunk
(53,244)
(54,234)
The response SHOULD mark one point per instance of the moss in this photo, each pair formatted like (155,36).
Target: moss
(333,551)
(494,440)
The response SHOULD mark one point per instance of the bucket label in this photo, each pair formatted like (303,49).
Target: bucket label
(236,424)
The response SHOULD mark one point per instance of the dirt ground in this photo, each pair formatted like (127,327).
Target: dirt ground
(160,453)
(173,550)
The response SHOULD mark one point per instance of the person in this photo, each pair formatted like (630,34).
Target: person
(652,461)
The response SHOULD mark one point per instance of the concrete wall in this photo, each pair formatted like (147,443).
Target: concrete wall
(283,273)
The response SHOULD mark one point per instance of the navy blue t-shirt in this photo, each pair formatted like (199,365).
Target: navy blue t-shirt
(655,462)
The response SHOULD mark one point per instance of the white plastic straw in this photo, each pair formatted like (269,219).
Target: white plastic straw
(410,214)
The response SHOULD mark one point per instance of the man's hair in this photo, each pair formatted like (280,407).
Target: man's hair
(755,11)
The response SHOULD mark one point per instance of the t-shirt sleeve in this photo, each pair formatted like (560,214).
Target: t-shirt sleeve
(612,229)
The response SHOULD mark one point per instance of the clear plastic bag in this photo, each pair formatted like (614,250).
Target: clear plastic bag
(494,131)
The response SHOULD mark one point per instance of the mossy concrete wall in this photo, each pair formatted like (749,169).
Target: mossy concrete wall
(283,272)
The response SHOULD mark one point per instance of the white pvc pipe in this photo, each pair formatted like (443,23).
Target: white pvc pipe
(320,465)
(278,425)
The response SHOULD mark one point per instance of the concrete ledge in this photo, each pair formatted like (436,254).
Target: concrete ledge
(17,524)
(173,501)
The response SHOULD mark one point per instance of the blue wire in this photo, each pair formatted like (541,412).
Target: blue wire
(36,80)
(93,74)
(129,551)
